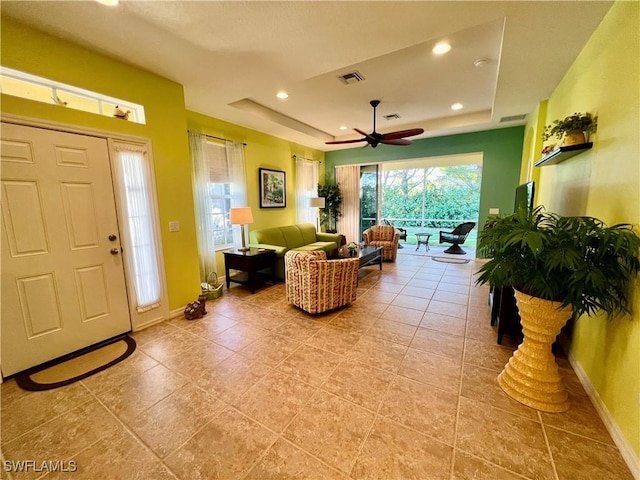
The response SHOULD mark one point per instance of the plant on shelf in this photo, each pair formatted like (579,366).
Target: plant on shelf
(558,266)
(332,206)
(573,128)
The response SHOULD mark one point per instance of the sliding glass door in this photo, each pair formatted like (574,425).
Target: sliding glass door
(369,196)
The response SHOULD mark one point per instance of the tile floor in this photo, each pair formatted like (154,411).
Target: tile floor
(401,384)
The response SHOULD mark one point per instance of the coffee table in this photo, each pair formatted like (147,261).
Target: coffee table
(368,255)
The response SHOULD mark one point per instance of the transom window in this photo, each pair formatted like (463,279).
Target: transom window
(32,87)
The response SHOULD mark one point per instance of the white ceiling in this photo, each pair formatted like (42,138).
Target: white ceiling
(232,57)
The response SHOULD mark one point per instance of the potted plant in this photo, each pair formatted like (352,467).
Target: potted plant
(332,206)
(558,266)
(573,128)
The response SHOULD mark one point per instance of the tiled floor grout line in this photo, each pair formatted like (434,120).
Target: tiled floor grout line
(373,423)
(546,442)
(457,421)
(280,435)
(363,451)
(132,433)
(49,420)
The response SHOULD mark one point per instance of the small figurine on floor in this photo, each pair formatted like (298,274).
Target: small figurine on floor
(196,309)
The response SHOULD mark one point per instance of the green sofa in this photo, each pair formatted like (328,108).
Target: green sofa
(301,237)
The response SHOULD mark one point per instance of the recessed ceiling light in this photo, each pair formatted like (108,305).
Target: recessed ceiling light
(481,62)
(109,3)
(282,95)
(456,106)
(441,48)
(343,127)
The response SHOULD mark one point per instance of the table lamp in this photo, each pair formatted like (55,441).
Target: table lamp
(241,216)
(317,202)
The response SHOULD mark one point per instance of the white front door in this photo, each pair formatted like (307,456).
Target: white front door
(63,284)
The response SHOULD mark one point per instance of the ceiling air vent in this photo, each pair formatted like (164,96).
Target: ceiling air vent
(393,116)
(513,118)
(351,77)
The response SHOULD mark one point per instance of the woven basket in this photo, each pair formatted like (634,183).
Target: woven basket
(212,289)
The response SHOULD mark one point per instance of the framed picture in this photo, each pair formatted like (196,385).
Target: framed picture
(273,188)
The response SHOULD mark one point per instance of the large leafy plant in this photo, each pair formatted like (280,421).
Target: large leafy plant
(332,206)
(578,261)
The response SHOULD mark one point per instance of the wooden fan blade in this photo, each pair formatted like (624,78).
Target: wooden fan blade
(402,133)
(397,141)
(369,137)
(337,142)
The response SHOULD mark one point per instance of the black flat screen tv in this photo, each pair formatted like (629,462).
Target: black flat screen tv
(524,196)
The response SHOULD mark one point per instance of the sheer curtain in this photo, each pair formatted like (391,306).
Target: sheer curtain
(229,171)
(204,221)
(238,181)
(139,228)
(306,188)
(348,178)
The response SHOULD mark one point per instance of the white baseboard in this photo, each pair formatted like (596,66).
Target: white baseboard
(630,456)
(176,312)
(148,324)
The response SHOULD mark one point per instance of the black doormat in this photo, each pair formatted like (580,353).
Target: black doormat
(77,365)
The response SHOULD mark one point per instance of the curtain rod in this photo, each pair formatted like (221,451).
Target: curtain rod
(217,138)
(305,158)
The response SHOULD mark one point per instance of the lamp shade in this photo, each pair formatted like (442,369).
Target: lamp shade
(316,202)
(240,215)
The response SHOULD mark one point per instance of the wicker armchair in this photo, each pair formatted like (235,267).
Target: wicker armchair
(403,231)
(316,284)
(385,236)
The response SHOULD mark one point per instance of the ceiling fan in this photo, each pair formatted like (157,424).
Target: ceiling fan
(374,138)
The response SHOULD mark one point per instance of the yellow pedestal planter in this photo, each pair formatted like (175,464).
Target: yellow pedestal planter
(531,377)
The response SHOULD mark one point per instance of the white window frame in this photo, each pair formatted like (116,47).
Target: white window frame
(58,88)
(226,199)
(139,321)
(140,317)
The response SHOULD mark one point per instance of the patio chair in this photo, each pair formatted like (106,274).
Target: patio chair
(457,238)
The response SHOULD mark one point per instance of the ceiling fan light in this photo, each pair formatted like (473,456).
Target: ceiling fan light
(343,127)
(441,48)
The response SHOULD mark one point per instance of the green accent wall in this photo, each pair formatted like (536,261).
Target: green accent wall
(604,182)
(501,158)
(35,52)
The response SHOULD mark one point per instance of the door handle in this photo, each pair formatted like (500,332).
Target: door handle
(113,237)
(115,251)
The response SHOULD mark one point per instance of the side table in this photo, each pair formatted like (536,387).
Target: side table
(252,266)
(423,239)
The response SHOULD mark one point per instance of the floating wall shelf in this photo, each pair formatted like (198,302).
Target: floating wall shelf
(561,154)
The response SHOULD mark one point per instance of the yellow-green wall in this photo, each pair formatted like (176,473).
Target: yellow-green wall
(605,183)
(261,151)
(38,53)
(533,145)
